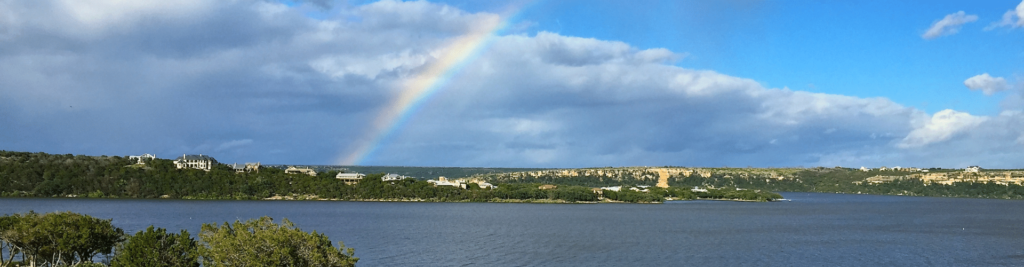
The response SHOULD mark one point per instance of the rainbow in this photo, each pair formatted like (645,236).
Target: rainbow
(416,91)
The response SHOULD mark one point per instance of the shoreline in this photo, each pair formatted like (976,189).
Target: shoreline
(315,198)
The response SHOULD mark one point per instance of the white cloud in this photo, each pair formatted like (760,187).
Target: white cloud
(948,25)
(943,125)
(94,17)
(1012,18)
(308,88)
(987,84)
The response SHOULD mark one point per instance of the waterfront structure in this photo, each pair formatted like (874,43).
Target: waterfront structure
(350,178)
(294,170)
(141,159)
(199,162)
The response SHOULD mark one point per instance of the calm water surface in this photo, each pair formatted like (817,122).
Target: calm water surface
(811,230)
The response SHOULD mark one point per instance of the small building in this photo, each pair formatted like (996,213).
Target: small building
(294,170)
(863,169)
(143,158)
(486,185)
(973,169)
(247,167)
(199,162)
(252,167)
(350,178)
(442,181)
(238,167)
(547,187)
(391,177)
(612,188)
(698,189)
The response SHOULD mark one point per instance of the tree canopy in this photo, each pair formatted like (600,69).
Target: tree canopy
(157,248)
(261,242)
(58,238)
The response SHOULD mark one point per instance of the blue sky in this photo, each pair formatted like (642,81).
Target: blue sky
(858,48)
(569,84)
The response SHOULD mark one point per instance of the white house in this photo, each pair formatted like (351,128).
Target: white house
(391,177)
(199,162)
(486,185)
(442,181)
(140,159)
(973,169)
(863,169)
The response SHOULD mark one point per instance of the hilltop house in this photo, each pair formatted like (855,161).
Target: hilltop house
(973,169)
(350,178)
(442,181)
(200,162)
(391,177)
(486,185)
(294,170)
(248,167)
(140,159)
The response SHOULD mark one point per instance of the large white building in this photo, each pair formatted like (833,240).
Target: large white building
(200,162)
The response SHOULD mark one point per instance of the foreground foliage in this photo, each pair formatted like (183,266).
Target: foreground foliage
(55,239)
(70,239)
(261,242)
(157,248)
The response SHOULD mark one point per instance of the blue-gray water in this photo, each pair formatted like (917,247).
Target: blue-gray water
(811,230)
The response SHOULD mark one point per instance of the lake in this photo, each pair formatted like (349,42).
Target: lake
(811,230)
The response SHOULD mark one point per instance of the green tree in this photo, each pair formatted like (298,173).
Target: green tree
(157,248)
(7,224)
(261,242)
(61,238)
